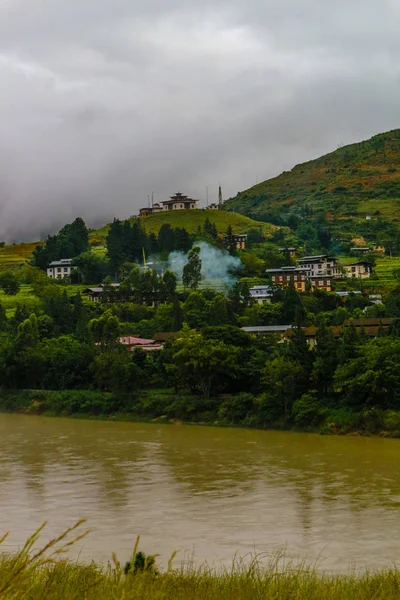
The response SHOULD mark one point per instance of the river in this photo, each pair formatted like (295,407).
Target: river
(205,492)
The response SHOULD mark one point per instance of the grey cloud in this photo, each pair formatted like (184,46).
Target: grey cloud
(104,101)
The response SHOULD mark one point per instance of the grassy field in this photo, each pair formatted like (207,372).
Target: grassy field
(14,256)
(352,182)
(191,220)
(24,297)
(37,573)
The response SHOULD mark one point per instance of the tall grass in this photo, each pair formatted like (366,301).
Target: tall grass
(34,574)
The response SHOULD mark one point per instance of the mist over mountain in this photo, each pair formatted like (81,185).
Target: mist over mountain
(105,101)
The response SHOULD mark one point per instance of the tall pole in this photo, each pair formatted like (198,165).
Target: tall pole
(220,198)
(207,196)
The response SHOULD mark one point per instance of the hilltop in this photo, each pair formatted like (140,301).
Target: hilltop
(351,183)
(15,255)
(191,220)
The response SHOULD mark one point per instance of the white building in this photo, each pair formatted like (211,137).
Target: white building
(360,270)
(179,202)
(261,293)
(59,269)
(320,265)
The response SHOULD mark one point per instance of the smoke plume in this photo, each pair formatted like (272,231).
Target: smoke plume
(216,265)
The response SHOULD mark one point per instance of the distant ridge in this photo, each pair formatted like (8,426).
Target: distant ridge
(352,182)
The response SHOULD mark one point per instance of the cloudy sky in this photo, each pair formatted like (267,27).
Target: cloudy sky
(104,101)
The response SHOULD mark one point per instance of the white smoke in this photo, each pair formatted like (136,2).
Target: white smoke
(216,265)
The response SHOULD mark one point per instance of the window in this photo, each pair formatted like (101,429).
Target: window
(295,277)
(65,269)
(58,269)
(321,282)
(280,278)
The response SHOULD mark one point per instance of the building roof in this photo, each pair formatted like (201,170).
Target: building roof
(92,290)
(312,258)
(135,342)
(261,287)
(64,262)
(178,197)
(290,269)
(266,328)
(359,262)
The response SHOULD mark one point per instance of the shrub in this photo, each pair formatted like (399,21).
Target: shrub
(307,411)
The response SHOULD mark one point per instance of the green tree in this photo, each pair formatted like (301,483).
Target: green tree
(326,360)
(229,240)
(9,283)
(280,380)
(202,363)
(192,270)
(105,330)
(169,280)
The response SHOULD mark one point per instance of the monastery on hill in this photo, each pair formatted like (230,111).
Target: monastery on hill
(178,202)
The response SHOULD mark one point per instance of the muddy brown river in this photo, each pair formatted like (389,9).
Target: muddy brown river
(206,492)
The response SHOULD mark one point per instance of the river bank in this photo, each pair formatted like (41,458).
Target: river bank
(164,406)
(62,580)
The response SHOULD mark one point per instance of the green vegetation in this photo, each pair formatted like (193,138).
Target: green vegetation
(343,187)
(37,572)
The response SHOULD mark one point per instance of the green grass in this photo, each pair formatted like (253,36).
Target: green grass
(25,297)
(37,573)
(190,220)
(16,255)
(350,183)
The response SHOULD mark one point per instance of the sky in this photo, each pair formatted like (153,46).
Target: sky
(104,101)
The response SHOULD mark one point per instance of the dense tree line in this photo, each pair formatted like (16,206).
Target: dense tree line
(209,368)
(70,241)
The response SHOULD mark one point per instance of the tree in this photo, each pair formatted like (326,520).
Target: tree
(3,318)
(169,281)
(229,240)
(202,363)
(106,330)
(9,283)
(71,240)
(192,270)
(93,268)
(326,359)
(280,380)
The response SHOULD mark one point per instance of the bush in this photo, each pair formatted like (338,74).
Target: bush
(237,409)
(307,412)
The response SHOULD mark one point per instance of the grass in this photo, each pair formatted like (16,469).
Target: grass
(38,572)
(25,297)
(16,255)
(191,220)
(353,181)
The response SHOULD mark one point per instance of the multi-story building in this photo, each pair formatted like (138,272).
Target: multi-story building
(361,269)
(179,202)
(59,269)
(320,265)
(240,240)
(261,293)
(284,276)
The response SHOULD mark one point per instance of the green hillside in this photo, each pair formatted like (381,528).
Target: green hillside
(14,256)
(191,220)
(352,182)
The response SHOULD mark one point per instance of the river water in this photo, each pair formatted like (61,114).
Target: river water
(205,492)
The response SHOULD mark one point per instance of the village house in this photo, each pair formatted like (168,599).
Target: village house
(321,282)
(179,202)
(60,269)
(285,276)
(94,294)
(240,240)
(131,343)
(320,265)
(361,270)
(290,251)
(369,327)
(261,294)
